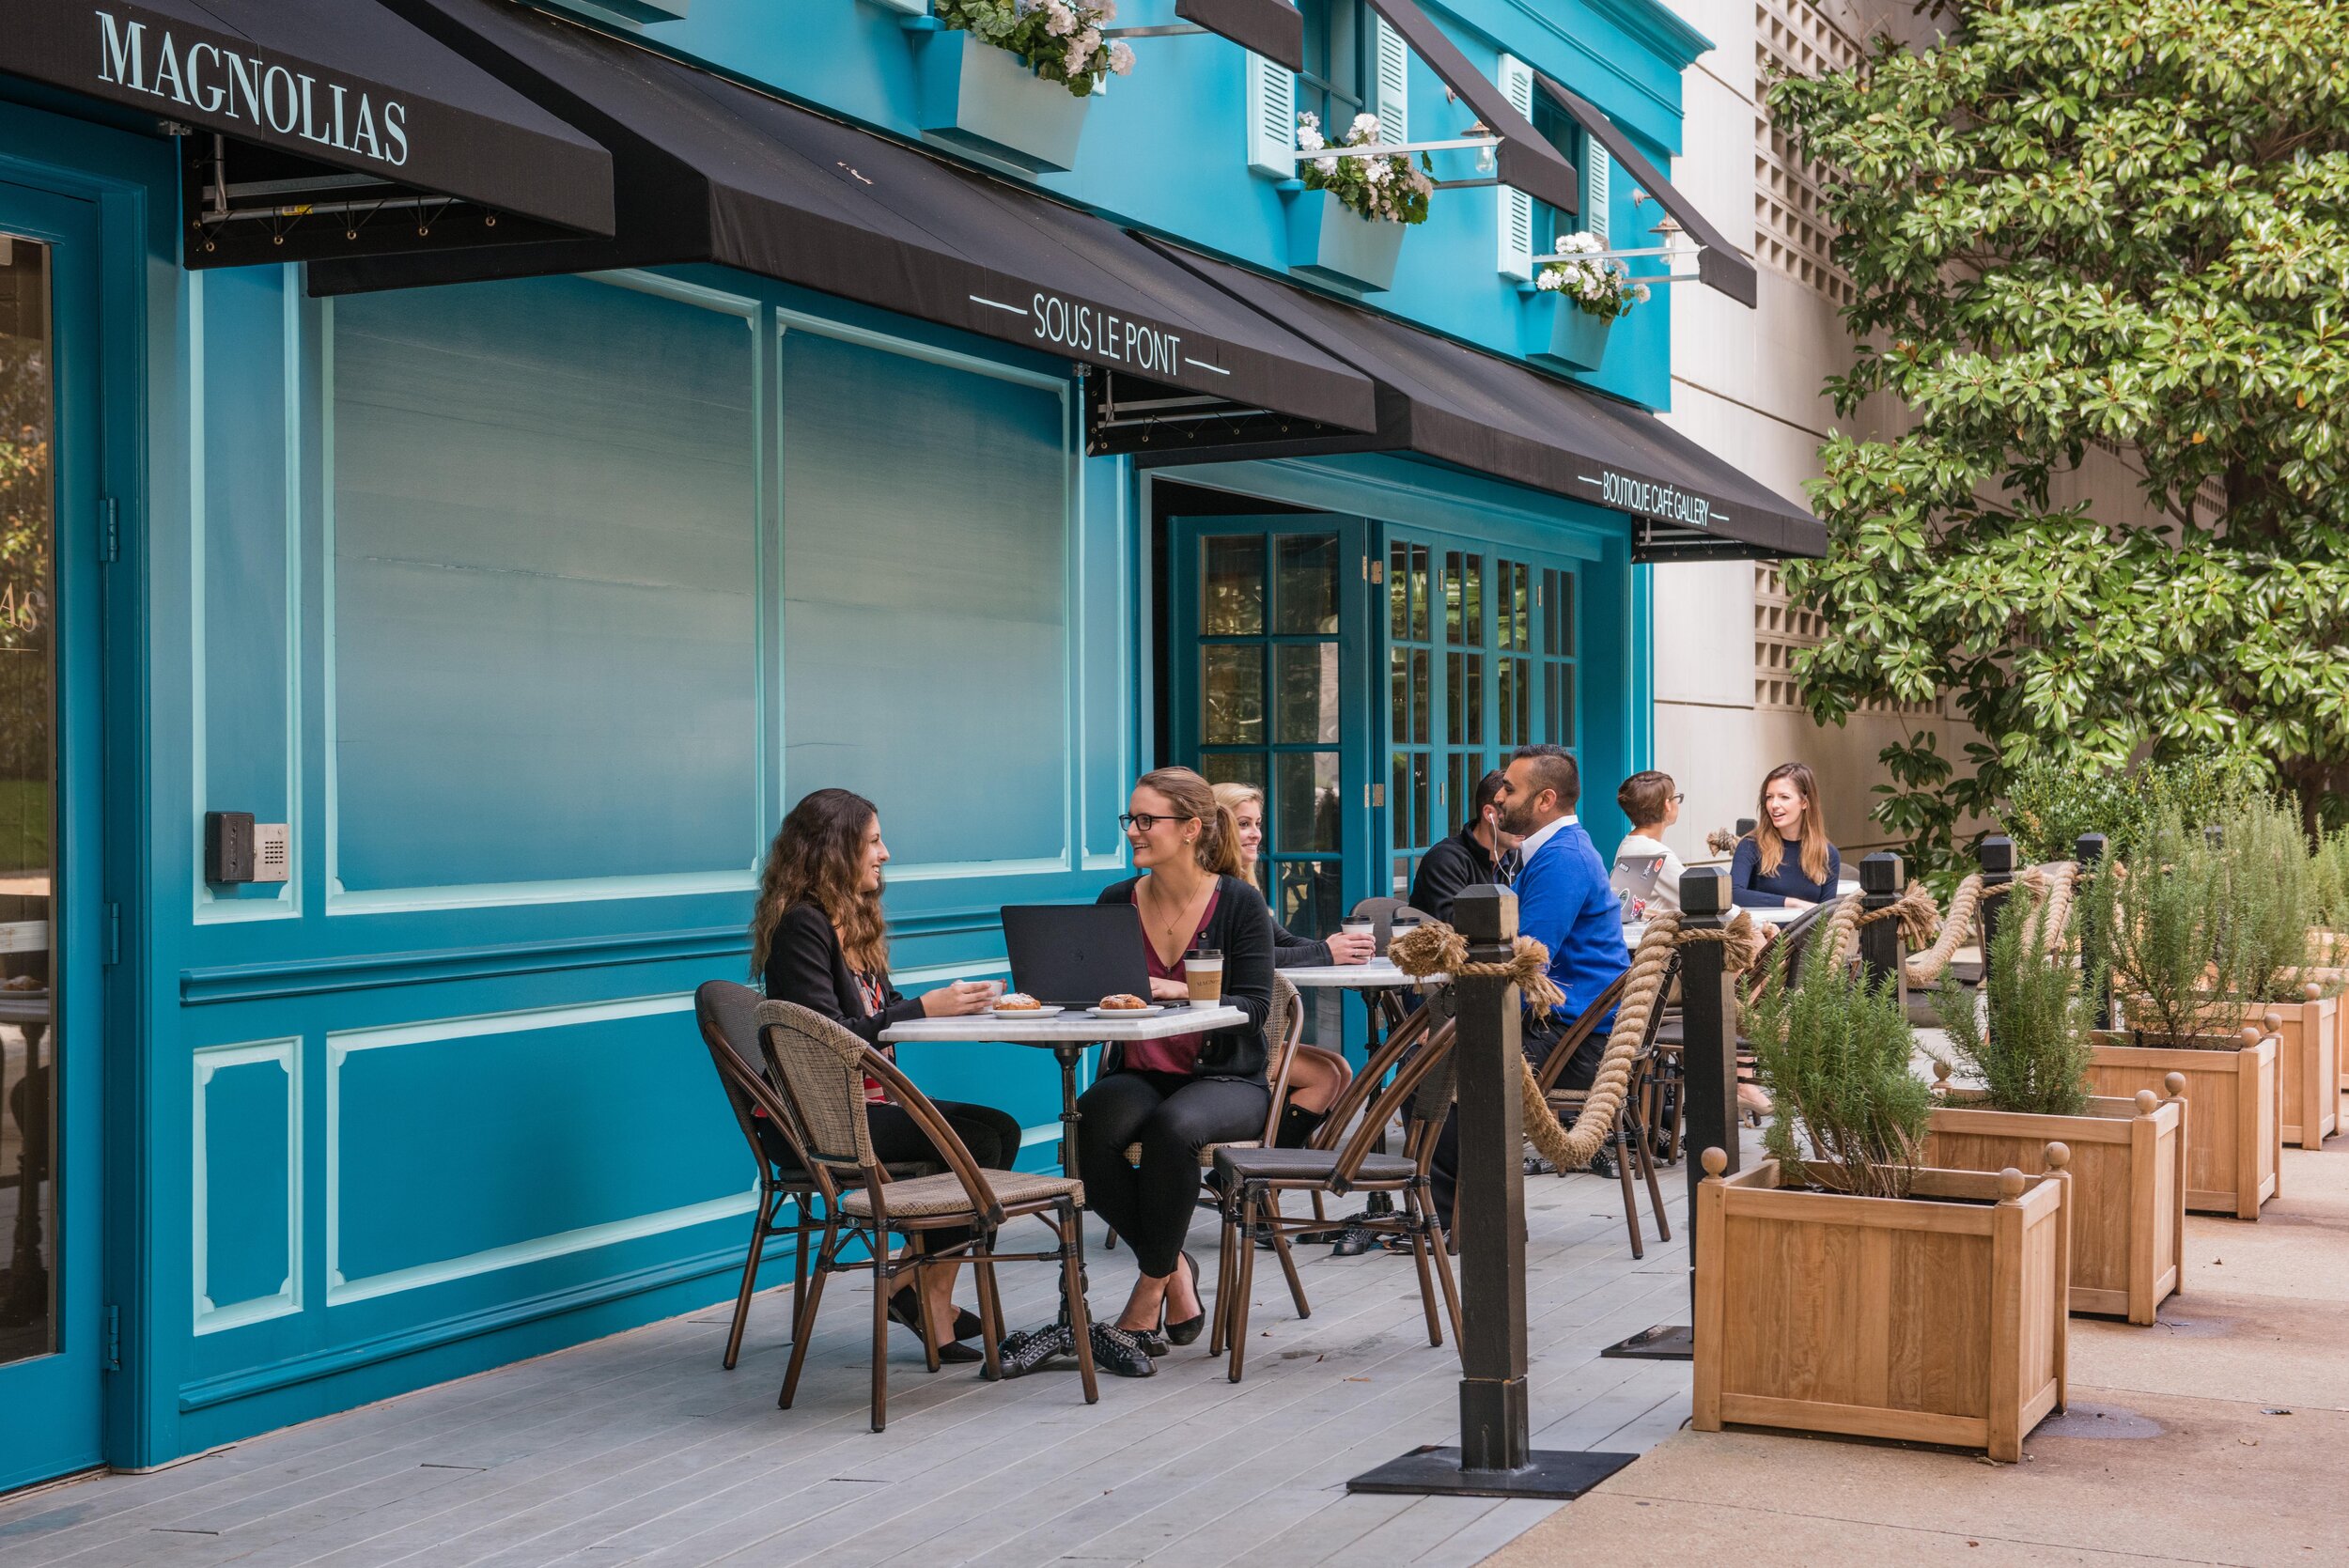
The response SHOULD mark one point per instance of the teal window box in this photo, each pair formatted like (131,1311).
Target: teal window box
(1558,333)
(1331,243)
(977,99)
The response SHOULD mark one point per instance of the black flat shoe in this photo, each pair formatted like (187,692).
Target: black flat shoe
(1187,1330)
(904,1310)
(1151,1340)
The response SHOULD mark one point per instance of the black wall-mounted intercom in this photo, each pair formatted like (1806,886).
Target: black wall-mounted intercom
(239,849)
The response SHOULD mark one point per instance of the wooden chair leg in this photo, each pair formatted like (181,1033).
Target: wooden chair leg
(1073,1278)
(918,1252)
(885,1279)
(990,1308)
(1228,1239)
(1439,1248)
(1246,1283)
(1655,1192)
(800,1326)
(1630,1203)
(798,1276)
(1288,1264)
(769,1204)
(1415,1226)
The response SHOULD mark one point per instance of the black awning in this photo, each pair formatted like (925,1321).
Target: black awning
(709,170)
(346,87)
(1527,161)
(1476,411)
(1720,267)
(1273,28)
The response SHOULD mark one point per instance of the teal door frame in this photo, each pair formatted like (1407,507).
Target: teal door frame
(1504,618)
(57,1401)
(1190,647)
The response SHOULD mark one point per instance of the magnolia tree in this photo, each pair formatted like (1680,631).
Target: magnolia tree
(2076,224)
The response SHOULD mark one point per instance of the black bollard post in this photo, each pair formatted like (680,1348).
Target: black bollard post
(1997,855)
(1496,1457)
(1745,826)
(1883,879)
(1708,1060)
(2090,851)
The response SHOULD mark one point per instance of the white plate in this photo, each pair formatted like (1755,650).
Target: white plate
(1014,1015)
(1125,1012)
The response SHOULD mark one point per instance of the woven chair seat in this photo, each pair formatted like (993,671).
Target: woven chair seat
(942,1196)
(1206,1151)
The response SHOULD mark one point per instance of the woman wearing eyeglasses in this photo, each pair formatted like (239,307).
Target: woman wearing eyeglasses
(1647,873)
(819,939)
(1176,1096)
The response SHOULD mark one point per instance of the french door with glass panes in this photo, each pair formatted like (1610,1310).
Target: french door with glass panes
(1271,622)
(1480,660)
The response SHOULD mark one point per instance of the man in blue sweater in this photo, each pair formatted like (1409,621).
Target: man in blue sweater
(1565,902)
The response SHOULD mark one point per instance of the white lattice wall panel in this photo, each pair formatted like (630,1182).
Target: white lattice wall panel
(1782,629)
(1792,236)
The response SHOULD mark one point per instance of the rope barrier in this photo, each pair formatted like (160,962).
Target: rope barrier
(1437,948)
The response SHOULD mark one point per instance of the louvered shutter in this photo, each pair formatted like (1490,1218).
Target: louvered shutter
(1516,208)
(1271,118)
(1395,87)
(1597,177)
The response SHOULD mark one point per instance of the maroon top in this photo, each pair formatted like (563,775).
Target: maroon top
(1176,1053)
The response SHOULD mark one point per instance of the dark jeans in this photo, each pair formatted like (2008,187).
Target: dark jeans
(992,1136)
(1172,1116)
(1443,1169)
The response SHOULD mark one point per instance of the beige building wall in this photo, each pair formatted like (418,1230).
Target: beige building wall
(1747,385)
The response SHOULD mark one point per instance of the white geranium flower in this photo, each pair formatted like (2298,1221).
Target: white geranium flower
(1085,45)
(1105,10)
(1059,20)
(1379,171)
(1122,57)
(1639,292)
(1326,165)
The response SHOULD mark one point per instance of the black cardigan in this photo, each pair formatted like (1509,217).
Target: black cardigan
(806,965)
(1241,930)
(1293,952)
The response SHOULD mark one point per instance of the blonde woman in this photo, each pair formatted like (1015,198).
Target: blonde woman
(1786,862)
(1317,1077)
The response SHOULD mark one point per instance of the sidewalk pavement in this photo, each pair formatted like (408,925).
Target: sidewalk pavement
(2220,1435)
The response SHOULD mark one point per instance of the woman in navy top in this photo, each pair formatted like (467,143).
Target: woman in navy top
(1786,862)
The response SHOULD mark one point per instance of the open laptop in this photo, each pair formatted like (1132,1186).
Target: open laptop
(1074,955)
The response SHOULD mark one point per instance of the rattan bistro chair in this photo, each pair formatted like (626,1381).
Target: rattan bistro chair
(1629,1134)
(728,1015)
(822,1068)
(1252,1179)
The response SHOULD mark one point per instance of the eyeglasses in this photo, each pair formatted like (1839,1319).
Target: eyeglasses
(1142,822)
(1678,798)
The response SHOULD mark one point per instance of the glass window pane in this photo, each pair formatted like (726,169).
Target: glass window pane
(1507,673)
(1472,601)
(1398,591)
(1419,695)
(29,1048)
(1306,597)
(1562,698)
(1521,586)
(1307,895)
(1459,787)
(1399,695)
(1419,593)
(1525,698)
(1452,596)
(1420,797)
(1231,602)
(1399,798)
(1233,768)
(1477,699)
(1305,681)
(1305,801)
(1231,695)
(1565,615)
(1549,610)
(1455,667)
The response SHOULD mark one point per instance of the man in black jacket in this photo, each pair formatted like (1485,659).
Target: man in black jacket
(1469,857)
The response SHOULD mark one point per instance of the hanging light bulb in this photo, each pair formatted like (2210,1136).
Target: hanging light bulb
(1485,162)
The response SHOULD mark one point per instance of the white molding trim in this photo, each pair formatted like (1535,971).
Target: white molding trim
(208,1060)
(342,1043)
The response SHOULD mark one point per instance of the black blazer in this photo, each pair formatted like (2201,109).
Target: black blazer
(1241,930)
(805,965)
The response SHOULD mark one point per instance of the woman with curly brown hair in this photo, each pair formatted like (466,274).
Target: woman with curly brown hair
(819,939)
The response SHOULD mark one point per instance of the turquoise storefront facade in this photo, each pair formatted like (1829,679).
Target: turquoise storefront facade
(529,605)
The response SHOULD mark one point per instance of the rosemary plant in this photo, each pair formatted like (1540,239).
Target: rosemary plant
(2156,927)
(2033,1054)
(1834,1052)
(2264,889)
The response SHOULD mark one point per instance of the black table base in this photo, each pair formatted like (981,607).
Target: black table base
(1666,1342)
(1435,1472)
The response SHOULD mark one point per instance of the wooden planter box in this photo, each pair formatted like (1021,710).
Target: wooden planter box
(2308,1061)
(1921,1318)
(2235,1138)
(979,98)
(2327,976)
(2128,1188)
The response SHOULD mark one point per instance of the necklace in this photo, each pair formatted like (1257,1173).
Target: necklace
(1174,928)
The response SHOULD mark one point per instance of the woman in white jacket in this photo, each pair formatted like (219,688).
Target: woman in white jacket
(1647,873)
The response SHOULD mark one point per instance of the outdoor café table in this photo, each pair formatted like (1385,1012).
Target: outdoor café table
(1069,1036)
